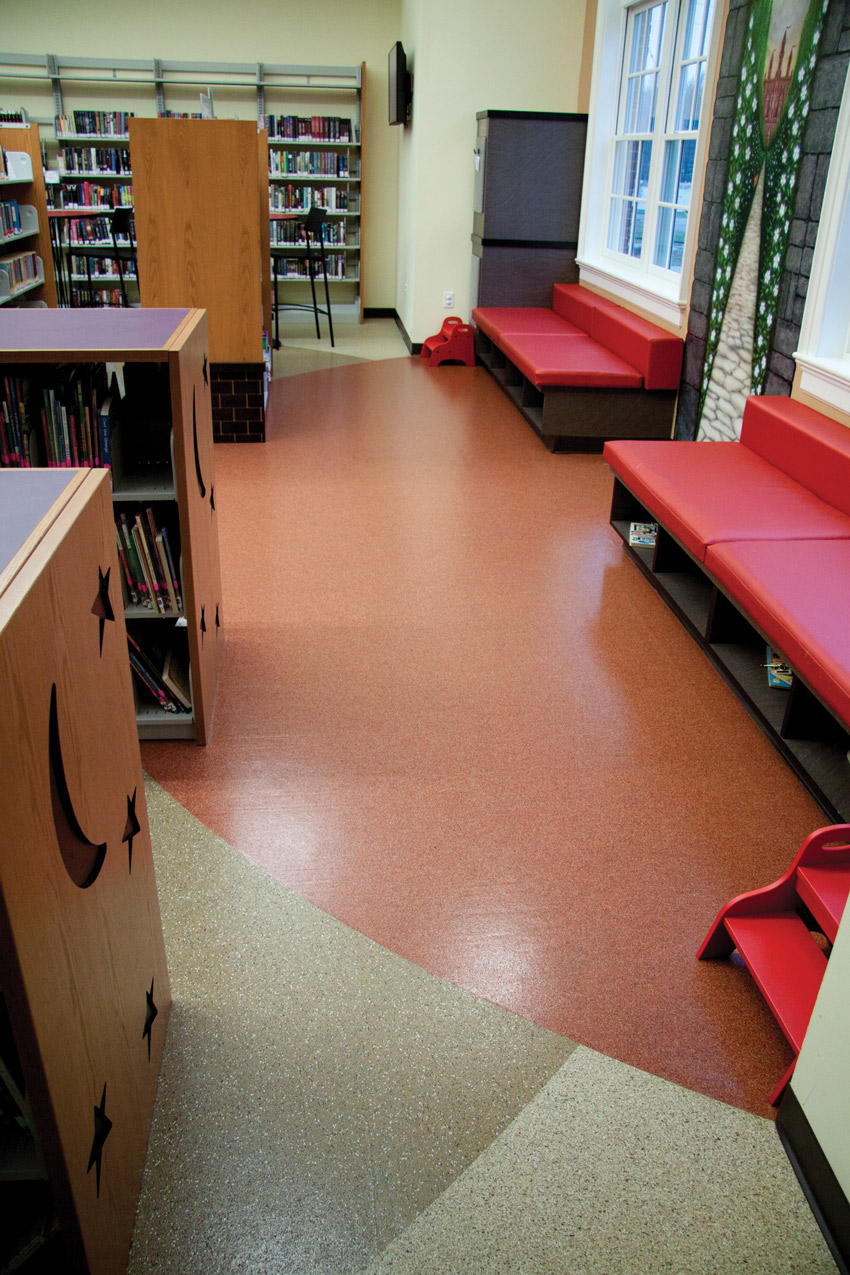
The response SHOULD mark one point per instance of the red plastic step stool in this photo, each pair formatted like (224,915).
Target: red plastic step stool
(453,341)
(774,931)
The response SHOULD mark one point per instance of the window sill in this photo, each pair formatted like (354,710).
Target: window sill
(825,379)
(652,296)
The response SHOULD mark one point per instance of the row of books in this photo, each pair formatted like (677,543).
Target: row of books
(10,218)
(91,195)
(148,565)
(101,268)
(62,421)
(87,230)
(93,124)
(4,164)
(21,269)
(103,298)
(299,268)
(315,163)
(319,128)
(303,198)
(292,234)
(163,671)
(94,159)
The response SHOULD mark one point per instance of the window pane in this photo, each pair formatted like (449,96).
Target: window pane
(643,171)
(696,33)
(699,96)
(686,174)
(671,166)
(677,247)
(687,89)
(648,93)
(655,35)
(662,238)
(626,168)
(637,61)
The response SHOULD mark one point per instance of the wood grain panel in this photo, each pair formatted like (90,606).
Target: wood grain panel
(79,962)
(265,229)
(192,417)
(196,190)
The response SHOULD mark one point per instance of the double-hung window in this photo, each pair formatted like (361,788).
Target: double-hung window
(648,111)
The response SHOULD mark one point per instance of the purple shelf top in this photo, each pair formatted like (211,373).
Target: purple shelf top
(25,497)
(100,329)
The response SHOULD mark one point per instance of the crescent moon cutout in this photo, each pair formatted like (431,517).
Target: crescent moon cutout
(82,858)
(200,477)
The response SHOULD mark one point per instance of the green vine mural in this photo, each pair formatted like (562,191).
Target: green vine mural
(773,159)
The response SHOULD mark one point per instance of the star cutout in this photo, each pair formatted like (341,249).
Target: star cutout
(102,607)
(212,497)
(217,620)
(131,828)
(206,377)
(151,1012)
(203,623)
(102,1129)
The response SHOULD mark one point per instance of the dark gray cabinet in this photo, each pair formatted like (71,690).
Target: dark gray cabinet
(528,175)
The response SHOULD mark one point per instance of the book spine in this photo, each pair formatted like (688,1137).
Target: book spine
(145,554)
(133,559)
(132,592)
(159,695)
(172,570)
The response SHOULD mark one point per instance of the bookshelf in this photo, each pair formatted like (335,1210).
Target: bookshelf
(315,161)
(26,261)
(160,437)
(83,963)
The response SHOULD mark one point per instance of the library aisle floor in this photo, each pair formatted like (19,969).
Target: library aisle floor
(455,718)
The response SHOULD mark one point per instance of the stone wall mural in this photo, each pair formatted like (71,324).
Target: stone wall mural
(781,81)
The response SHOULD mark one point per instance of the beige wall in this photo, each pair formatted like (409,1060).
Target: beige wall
(299,32)
(468,57)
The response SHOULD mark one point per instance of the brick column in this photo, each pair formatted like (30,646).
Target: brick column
(238,402)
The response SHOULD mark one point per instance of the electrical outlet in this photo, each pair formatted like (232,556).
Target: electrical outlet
(448,300)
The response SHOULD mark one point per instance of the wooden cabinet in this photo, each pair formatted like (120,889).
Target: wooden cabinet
(527,200)
(162,459)
(24,186)
(84,979)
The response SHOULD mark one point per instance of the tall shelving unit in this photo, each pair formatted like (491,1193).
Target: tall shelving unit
(268,89)
(95,178)
(84,988)
(23,185)
(162,458)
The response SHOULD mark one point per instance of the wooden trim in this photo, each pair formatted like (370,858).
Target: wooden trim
(37,535)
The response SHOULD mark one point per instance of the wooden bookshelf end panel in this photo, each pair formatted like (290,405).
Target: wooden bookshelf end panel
(85,960)
(195,466)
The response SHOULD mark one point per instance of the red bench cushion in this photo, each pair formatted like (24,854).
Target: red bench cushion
(802,443)
(498,321)
(798,593)
(575,304)
(655,353)
(706,493)
(569,360)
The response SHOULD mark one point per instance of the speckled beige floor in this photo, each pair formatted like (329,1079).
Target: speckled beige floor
(327,1107)
(317,1091)
(611,1171)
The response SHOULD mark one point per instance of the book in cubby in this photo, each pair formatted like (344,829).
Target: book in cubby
(143,410)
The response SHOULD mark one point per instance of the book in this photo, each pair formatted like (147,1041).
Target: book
(175,675)
(643,533)
(779,673)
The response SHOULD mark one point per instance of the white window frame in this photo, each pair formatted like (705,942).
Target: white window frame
(660,292)
(823,358)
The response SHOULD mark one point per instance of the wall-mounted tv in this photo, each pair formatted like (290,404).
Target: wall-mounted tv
(399,81)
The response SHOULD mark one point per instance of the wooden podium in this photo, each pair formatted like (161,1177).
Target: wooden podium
(84,976)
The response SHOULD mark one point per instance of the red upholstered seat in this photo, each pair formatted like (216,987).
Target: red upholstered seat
(707,493)
(797,592)
(498,321)
(801,442)
(568,360)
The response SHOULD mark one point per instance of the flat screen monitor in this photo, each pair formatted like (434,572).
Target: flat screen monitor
(399,82)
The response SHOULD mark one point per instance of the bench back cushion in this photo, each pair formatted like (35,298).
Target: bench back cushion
(575,304)
(809,447)
(656,354)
